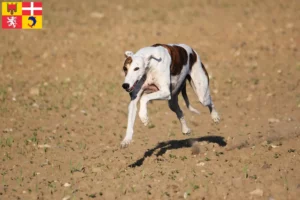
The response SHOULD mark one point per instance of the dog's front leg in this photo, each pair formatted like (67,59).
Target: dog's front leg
(132,108)
(162,94)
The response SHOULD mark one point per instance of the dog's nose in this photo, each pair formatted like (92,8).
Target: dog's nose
(125,86)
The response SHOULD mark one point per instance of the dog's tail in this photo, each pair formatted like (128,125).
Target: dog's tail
(186,100)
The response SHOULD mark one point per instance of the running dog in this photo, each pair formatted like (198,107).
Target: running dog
(159,72)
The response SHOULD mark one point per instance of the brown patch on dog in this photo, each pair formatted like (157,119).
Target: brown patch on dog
(126,65)
(178,55)
(205,72)
(150,88)
(193,58)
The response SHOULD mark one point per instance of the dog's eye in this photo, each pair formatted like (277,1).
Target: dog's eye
(125,69)
(137,68)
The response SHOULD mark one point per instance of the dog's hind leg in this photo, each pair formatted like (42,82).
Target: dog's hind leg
(200,83)
(173,104)
(186,100)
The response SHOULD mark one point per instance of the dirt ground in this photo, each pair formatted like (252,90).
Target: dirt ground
(63,112)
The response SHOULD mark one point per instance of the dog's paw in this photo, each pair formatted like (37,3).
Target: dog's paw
(215,117)
(186,131)
(125,143)
(145,121)
(144,118)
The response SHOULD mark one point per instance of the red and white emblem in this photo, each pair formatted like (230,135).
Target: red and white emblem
(32,8)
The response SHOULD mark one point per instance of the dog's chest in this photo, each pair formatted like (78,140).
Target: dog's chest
(150,84)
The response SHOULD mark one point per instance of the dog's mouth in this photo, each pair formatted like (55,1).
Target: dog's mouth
(132,88)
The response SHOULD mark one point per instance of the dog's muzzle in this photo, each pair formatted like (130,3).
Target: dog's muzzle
(126,86)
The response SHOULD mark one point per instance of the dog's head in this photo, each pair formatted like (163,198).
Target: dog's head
(135,68)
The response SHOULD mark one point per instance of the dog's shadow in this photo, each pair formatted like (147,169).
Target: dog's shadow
(177,144)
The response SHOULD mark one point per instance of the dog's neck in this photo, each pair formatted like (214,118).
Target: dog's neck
(147,51)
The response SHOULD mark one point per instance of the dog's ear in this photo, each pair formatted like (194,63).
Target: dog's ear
(149,57)
(128,54)
(147,60)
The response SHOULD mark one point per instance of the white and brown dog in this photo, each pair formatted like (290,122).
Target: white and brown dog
(159,72)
